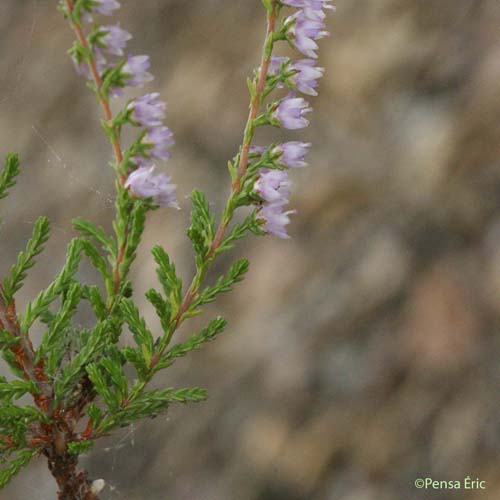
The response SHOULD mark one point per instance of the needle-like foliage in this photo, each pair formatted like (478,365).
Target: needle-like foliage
(86,382)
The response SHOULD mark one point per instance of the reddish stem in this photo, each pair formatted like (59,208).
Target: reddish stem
(256,102)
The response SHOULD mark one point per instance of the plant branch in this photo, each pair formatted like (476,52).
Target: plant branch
(255,105)
(108,115)
(256,101)
(116,143)
(25,354)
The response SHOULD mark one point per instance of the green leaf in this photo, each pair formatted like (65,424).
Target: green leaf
(9,174)
(15,422)
(93,295)
(137,225)
(15,389)
(112,365)
(41,304)
(251,223)
(136,229)
(95,414)
(268,5)
(7,339)
(11,360)
(123,205)
(81,7)
(79,447)
(94,344)
(89,230)
(162,307)
(54,341)
(194,342)
(15,465)
(101,386)
(99,262)
(136,358)
(202,229)
(11,415)
(188,395)
(172,284)
(113,77)
(26,259)
(225,283)
(142,335)
(149,404)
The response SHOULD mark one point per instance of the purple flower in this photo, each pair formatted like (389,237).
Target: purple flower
(115,39)
(307,25)
(135,74)
(290,112)
(135,70)
(292,153)
(272,186)
(316,13)
(106,7)
(305,80)
(275,219)
(306,73)
(144,183)
(158,141)
(304,32)
(148,110)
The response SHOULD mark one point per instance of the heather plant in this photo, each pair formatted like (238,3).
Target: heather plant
(73,386)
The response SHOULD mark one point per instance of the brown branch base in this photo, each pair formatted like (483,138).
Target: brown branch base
(73,485)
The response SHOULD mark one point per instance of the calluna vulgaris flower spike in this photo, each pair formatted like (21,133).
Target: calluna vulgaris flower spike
(79,378)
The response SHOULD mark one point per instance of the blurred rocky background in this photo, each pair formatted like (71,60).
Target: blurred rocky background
(364,352)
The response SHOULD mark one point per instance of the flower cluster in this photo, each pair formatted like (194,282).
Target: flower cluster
(108,45)
(303,29)
(272,187)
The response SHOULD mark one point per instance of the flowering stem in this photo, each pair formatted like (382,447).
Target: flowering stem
(98,83)
(255,104)
(256,101)
(73,365)
(115,139)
